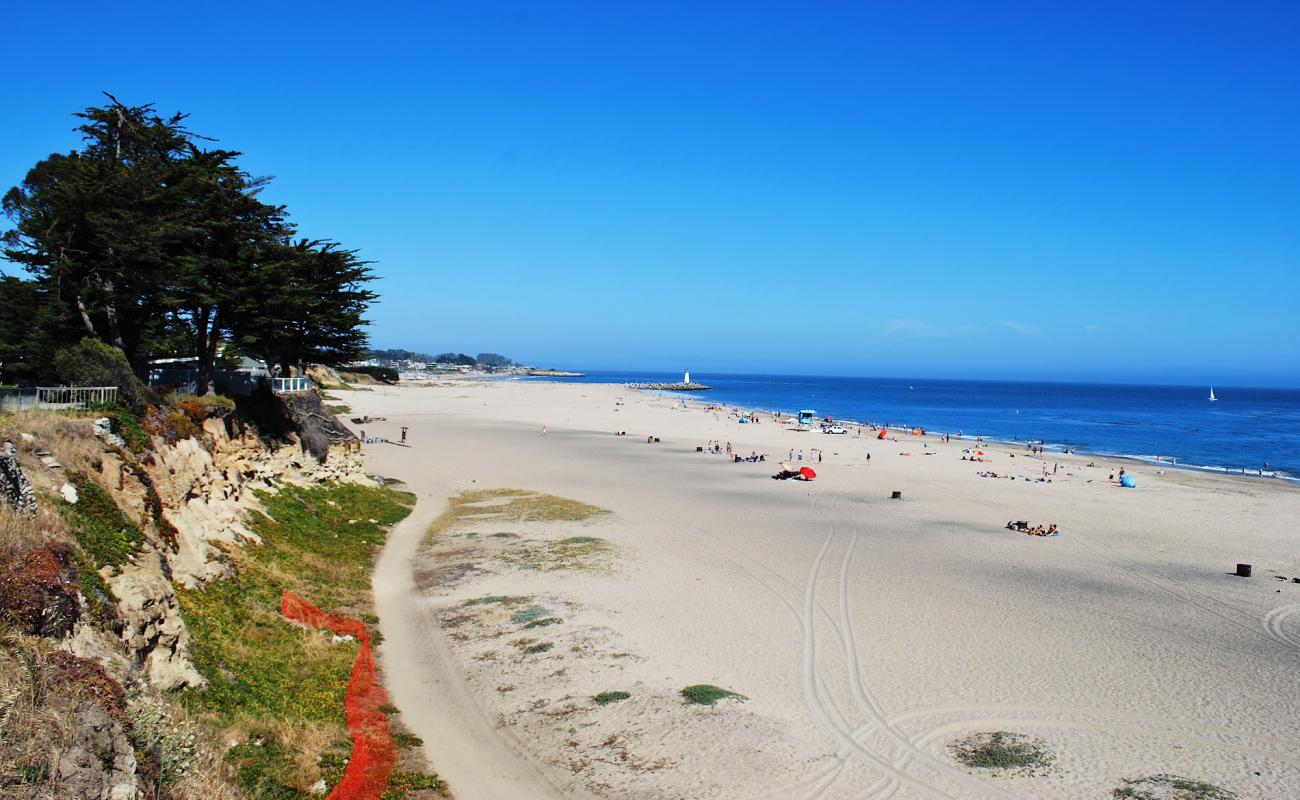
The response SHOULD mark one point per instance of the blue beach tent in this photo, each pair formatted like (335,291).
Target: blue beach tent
(1127,482)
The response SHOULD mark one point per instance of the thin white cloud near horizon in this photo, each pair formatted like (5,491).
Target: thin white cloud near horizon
(917,329)
(1022,328)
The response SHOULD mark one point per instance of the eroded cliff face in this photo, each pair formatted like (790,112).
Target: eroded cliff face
(195,495)
(190,499)
(206,486)
(78,634)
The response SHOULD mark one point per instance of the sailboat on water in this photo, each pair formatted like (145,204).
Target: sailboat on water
(1212,397)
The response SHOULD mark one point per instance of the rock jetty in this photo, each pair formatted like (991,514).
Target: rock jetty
(670,387)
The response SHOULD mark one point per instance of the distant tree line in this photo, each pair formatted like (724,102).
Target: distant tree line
(486,359)
(152,242)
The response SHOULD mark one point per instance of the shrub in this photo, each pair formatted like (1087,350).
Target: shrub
(1170,787)
(209,405)
(127,425)
(543,622)
(704,694)
(172,424)
(529,614)
(1002,750)
(404,739)
(605,698)
(496,598)
(94,363)
(155,730)
(540,647)
(403,783)
(38,590)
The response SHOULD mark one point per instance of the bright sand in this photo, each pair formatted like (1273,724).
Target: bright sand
(867,633)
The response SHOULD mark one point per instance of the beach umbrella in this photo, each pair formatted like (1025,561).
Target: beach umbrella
(807,473)
(882,433)
(789,466)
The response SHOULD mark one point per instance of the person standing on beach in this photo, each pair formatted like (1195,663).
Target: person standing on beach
(403,434)
(543,430)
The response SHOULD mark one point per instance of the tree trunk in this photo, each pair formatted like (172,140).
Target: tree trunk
(208,358)
(110,311)
(85,317)
(204,378)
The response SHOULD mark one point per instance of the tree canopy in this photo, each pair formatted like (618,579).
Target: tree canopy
(149,240)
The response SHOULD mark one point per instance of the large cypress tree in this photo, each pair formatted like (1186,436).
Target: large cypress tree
(308,307)
(94,224)
(149,242)
(227,235)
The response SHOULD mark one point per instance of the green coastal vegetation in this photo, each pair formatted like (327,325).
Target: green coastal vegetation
(1170,787)
(1001,751)
(275,688)
(705,694)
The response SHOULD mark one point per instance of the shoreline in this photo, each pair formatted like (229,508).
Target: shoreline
(1050,447)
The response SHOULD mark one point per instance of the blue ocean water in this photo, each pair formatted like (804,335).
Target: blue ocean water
(1244,428)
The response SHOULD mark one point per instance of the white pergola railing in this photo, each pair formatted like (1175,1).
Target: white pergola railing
(75,396)
(290,385)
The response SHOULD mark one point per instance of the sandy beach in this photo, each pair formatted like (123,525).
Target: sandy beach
(866,634)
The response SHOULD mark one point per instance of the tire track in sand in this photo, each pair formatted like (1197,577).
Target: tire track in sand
(868,702)
(1275,624)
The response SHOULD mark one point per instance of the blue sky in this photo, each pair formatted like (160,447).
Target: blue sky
(1091,191)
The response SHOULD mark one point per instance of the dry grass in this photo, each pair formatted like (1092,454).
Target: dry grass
(312,739)
(519,505)
(24,533)
(29,730)
(575,552)
(69,437)
(38,698)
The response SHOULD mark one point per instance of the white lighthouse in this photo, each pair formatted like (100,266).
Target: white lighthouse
(687,379)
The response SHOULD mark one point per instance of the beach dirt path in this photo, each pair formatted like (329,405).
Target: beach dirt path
(466,749)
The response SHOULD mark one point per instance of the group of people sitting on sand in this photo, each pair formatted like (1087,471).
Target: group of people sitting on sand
(1021,526)
(719,449)
(790,474)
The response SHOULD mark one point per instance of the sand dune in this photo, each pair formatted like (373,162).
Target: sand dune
(868,634)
